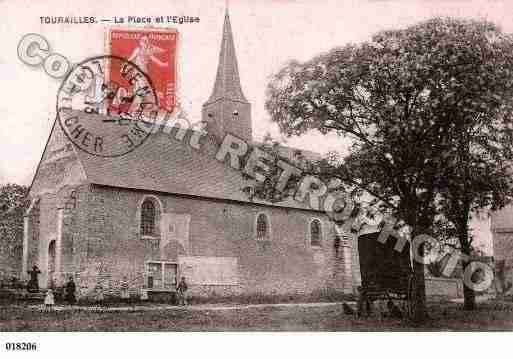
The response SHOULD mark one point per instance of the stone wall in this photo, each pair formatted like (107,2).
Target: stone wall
(43,227)
(444,287)
(112,252)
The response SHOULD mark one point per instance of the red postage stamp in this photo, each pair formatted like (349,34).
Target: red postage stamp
(154,52)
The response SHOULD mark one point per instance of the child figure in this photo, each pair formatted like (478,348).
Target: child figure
(181,290)
(49,300)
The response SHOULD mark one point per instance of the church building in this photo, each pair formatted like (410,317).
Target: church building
(137,223)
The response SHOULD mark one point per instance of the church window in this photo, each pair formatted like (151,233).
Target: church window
(262,227)
(315,232)
(148,218)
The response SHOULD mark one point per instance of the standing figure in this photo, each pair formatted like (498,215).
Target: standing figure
(70,291)
(33,284)
(181,291)
(99,294)
(49,300)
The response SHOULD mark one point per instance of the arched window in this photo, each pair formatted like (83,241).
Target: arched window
(315,232)
(262,227)
(148,218)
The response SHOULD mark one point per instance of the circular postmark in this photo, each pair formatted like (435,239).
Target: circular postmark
(107,106)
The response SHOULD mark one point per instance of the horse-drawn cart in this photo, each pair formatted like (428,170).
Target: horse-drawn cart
(386,274)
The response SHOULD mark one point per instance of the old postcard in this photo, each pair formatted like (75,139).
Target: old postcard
(255,166)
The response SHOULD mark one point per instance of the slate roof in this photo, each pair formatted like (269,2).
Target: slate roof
(164,164)
(227,83)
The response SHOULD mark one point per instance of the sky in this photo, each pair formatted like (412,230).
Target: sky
(267,34)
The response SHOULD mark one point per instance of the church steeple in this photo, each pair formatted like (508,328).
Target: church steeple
(227,110)
(227,84)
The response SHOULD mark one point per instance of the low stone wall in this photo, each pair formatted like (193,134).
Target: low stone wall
(444,287)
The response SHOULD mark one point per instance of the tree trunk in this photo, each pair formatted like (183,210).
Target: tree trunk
(420,314)
(469,296)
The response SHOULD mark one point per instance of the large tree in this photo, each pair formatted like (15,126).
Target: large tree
(405,98)
(13,204)
(478,178)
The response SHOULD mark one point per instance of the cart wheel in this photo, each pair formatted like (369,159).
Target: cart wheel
(410,297)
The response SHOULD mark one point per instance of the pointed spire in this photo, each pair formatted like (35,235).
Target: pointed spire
(227,85)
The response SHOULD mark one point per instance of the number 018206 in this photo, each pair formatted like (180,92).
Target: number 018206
(20,346)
